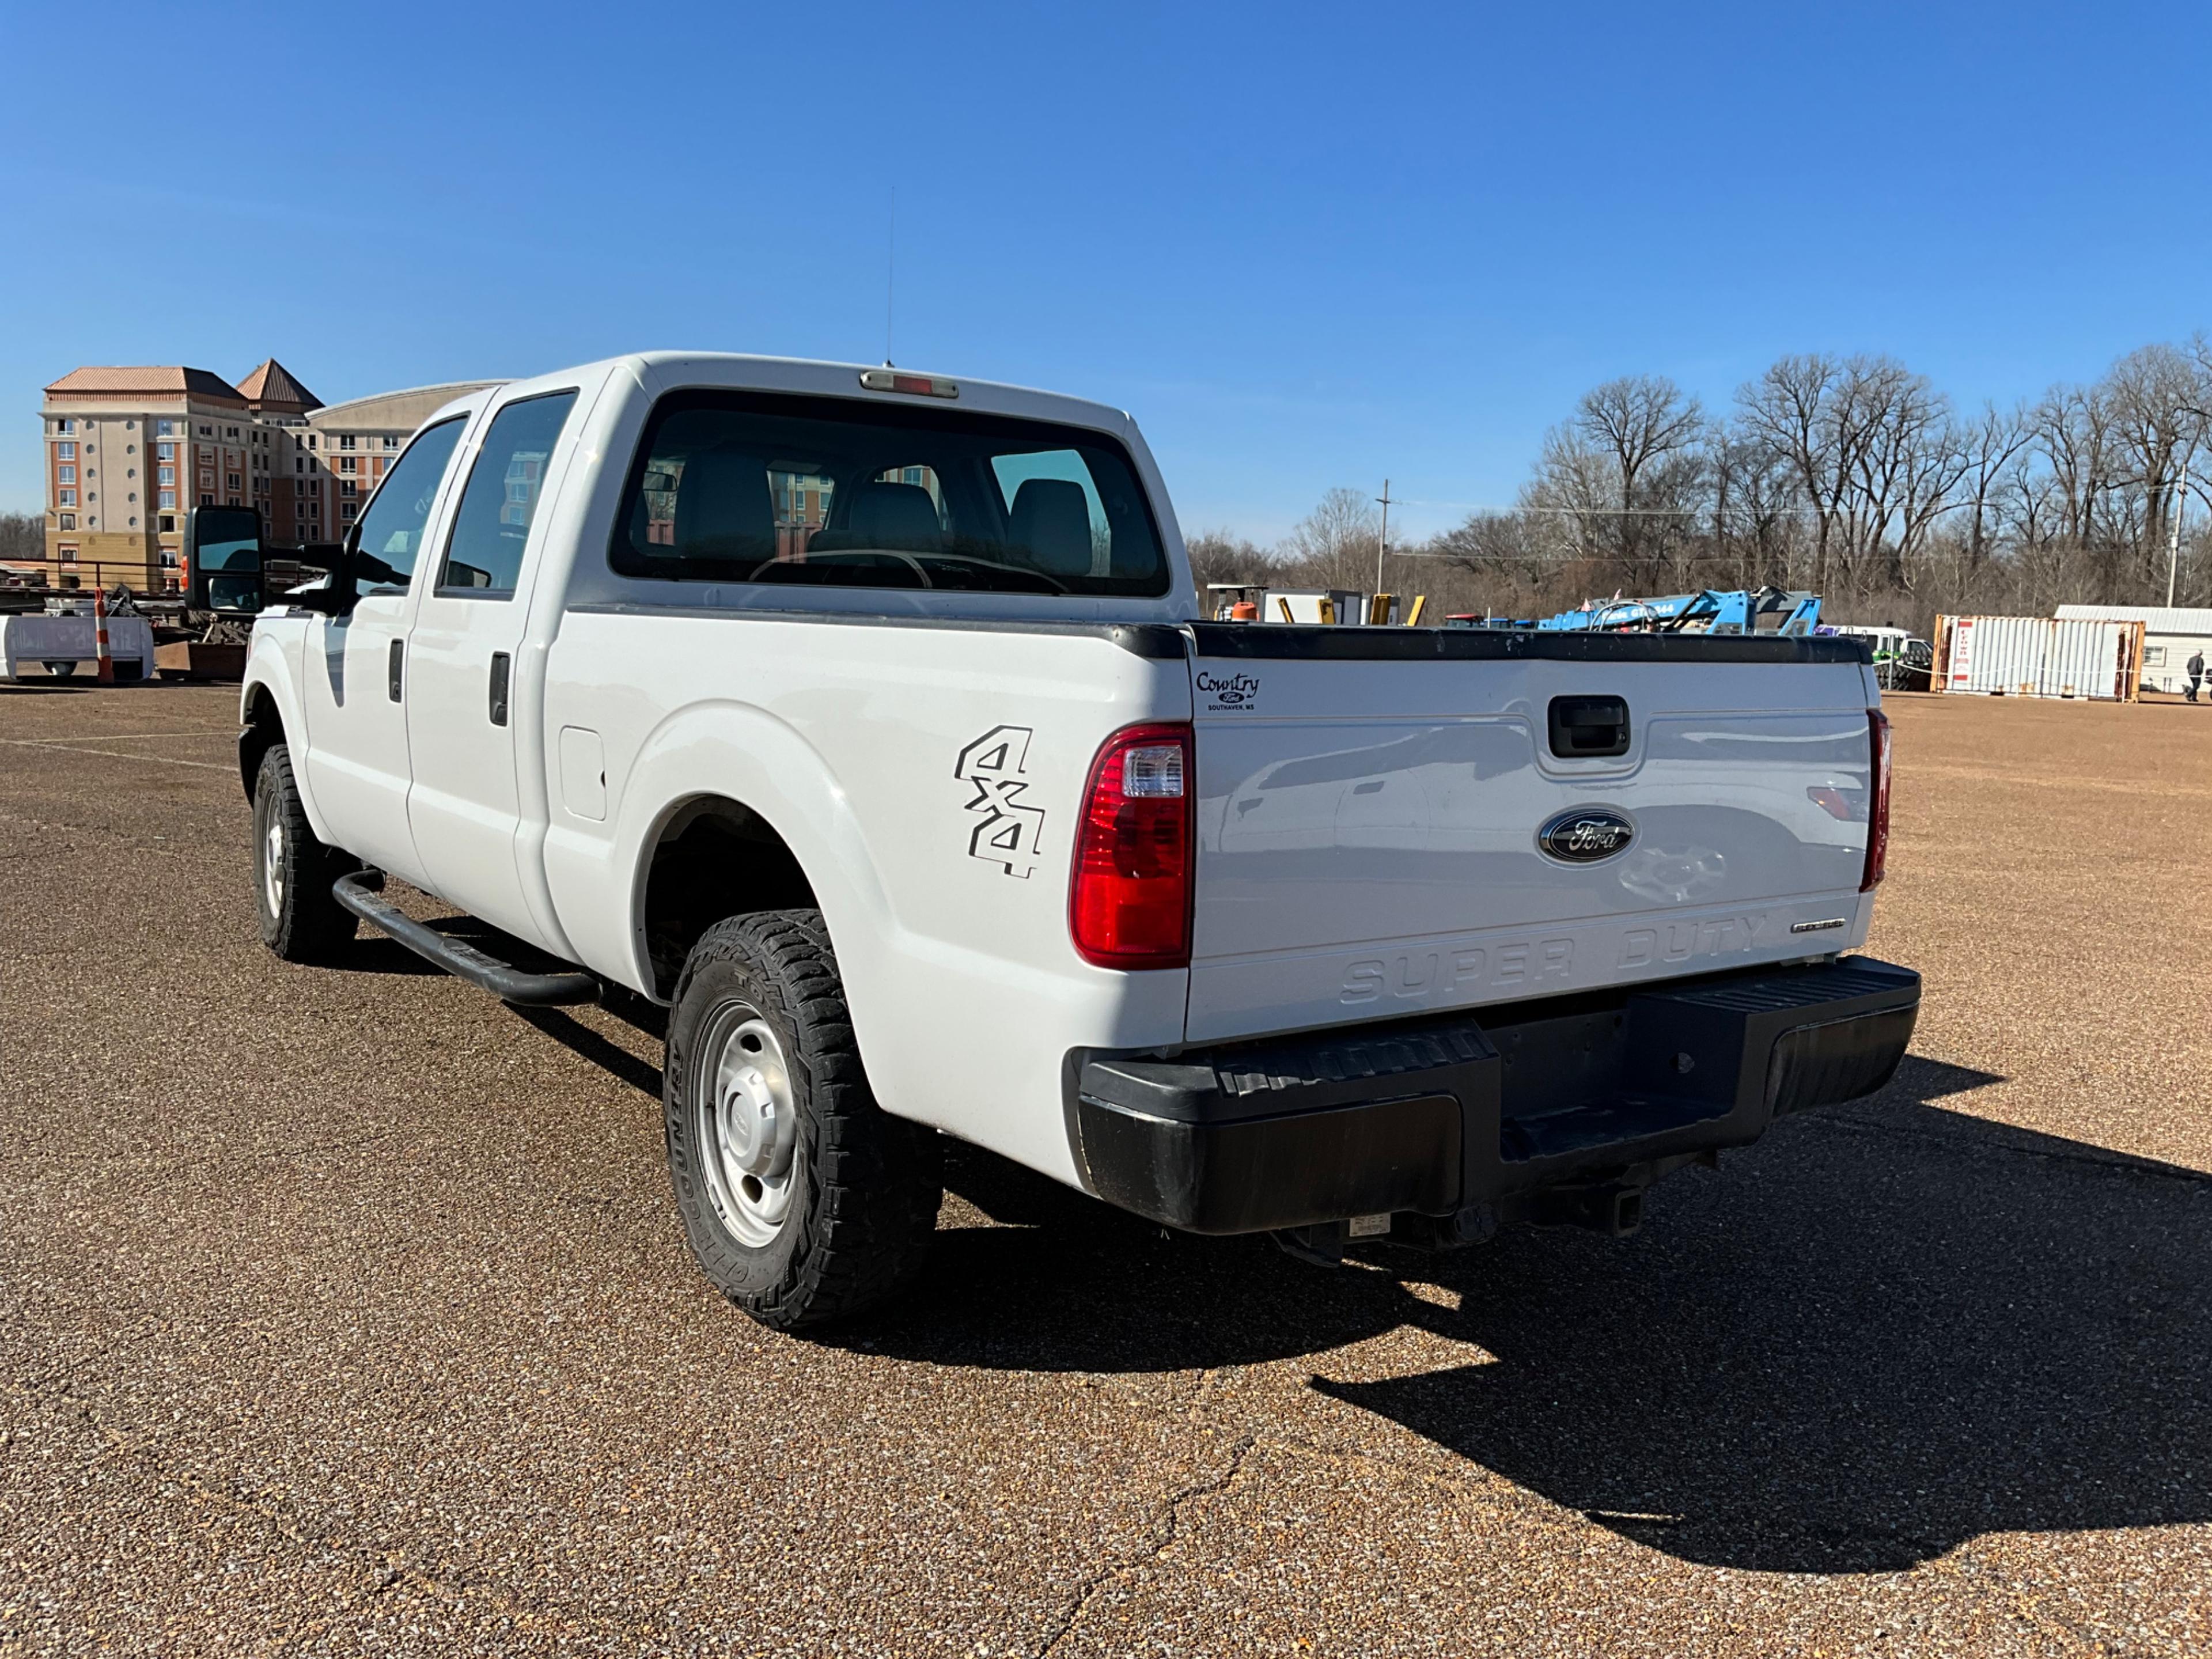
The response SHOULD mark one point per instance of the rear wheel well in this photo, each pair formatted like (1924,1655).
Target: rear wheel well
(263,730)
(714,858)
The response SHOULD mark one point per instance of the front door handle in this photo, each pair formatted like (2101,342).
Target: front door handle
(499,674)
(391,673)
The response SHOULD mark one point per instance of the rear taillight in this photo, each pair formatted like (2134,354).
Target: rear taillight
(1128,905)
(1878,809)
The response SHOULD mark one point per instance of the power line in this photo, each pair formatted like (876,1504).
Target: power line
(1737,559)
(1570,512)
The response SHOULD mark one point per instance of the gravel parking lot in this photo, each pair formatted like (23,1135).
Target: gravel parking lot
(345,1312)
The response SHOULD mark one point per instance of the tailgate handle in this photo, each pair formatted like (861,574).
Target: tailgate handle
(1589,728)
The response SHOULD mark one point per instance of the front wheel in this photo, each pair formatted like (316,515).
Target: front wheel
(803,1199)
(293,871)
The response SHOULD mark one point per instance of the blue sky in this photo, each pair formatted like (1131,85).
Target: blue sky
(1305,246)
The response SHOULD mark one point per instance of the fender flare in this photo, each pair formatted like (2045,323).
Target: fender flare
(740,752)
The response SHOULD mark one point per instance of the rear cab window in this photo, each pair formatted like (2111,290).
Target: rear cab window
(774,488)
(491,528)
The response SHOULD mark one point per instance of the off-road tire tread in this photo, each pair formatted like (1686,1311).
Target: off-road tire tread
(875,1180)
(314,926)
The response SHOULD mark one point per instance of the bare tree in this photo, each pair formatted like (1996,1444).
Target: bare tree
(1621,476)
(1334,545)
(1851,476)
(1503,564)
(1992,445)
(1219,556)
(1788,411)
(22,536)
(1652,435)
(1753,507)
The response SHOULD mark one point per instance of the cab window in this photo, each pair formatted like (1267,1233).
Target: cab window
(759,487)
(483,553)
(391,530)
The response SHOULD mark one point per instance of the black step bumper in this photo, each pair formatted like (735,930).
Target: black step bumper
(1522,1111)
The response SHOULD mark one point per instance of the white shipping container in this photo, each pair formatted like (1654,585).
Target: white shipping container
(2172,636)
(2039,657)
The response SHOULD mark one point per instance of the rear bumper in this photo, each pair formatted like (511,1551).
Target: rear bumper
(1523,1111)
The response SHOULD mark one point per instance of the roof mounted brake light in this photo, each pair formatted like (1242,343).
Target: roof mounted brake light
(918,386)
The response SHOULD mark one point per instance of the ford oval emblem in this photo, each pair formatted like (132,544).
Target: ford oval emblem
(1586,834)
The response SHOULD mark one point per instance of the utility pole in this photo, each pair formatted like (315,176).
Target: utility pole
(1383,541)
(2173,531)
(2181,502)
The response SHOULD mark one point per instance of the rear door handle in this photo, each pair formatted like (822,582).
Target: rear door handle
(391,673)
(499,675)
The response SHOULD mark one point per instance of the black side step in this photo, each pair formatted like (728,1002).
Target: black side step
(458,958)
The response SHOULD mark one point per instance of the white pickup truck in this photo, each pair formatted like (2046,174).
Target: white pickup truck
(864,720)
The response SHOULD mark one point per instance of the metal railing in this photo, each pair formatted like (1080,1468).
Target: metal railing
(142,576)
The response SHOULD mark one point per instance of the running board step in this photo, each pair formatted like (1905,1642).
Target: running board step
(457,956)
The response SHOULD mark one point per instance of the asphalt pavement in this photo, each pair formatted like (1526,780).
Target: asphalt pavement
(344,1311)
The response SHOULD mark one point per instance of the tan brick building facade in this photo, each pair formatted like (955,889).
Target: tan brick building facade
(130,450)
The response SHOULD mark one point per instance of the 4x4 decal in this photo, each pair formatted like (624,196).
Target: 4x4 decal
(1010,834)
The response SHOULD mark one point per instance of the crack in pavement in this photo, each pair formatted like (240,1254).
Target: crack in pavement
(1169,1527)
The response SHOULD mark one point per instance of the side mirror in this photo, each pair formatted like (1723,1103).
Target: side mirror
(223,555)
(361,567)
(327,570)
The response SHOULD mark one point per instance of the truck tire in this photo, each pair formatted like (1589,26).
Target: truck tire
(804,1200)
(293,871)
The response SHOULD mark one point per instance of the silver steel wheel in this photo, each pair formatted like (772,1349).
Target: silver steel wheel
(747,1123)
(272,860)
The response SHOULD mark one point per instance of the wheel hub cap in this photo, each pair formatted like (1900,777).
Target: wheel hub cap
(272,865)
(748,1123)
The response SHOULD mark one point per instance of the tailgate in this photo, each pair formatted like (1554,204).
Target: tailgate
(1371,803)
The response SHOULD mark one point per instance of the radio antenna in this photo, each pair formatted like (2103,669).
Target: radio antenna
(891,274)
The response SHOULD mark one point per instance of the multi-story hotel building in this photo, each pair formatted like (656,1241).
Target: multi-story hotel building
(128,451)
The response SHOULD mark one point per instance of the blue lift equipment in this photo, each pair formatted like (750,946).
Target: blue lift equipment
(1706,612)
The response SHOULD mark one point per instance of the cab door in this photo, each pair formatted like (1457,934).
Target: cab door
(464,805)
(353,669)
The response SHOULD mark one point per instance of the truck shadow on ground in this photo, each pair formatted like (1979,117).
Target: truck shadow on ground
(372,953)
(1886,1330)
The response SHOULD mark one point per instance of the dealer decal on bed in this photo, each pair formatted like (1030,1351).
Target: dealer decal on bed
(1227,694)
(1010,834)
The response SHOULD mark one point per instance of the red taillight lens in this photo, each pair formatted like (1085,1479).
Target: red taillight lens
(1128,905)
(1878,810)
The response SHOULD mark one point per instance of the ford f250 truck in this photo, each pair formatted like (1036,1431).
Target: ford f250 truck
(865,720)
